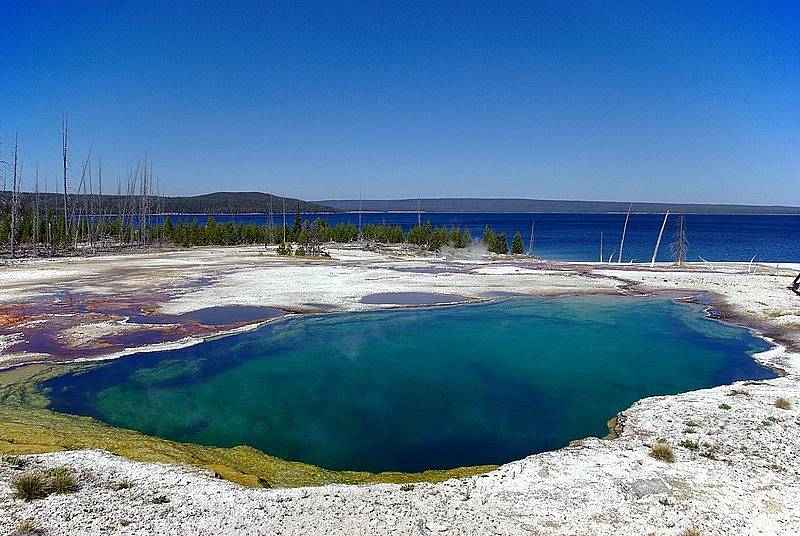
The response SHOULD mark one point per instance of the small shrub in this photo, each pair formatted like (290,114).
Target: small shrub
(662,451)
(691,531)
(300,251)
(30,486)
(61,480)
(406,487)
(161,499)
(783,403)
(14,461)
(689,444)
(123,484)
(724,406)
(28,526)
(692,424)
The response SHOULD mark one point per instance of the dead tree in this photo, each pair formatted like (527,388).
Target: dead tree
(658,242)
(284,222)
(624,229)
(64,144)
(76,208)
(680,245)
(36,221)
(145,204)
(15,197)
(270,224)
(101,218)
(532,241)
(601,246)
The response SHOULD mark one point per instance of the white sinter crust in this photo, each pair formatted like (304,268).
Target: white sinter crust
(743,477)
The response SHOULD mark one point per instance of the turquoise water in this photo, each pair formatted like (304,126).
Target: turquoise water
(419,389)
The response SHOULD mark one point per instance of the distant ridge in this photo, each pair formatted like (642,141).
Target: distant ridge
(469,204)
(214,203)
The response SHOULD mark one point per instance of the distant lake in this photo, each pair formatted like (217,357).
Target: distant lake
(576,237)
(418,389)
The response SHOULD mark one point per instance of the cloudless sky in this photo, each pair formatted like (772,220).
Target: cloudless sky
(643,101)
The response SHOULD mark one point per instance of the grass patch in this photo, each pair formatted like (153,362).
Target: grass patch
(30,486)
(662,451)
(692,531)
(28,526)
(123,484)
(14,461)
(724,406)
(28,427)
(40,484)
(689,444)
(406,487)
(61,480)
(783,403)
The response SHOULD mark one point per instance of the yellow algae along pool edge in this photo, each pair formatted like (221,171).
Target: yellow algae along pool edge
(28,427)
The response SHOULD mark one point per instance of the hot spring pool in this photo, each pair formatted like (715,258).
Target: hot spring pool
(418,389)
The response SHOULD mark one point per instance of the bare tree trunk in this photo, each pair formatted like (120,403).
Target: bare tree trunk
(15,197)
(101,222)
(658,242)
(76,200)
(36,221)
(601,246)
(680,245)
(531,242)
(270,224)
(624,229)
(64,144)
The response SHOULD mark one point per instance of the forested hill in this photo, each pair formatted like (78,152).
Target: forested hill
(542,205)
(216,203)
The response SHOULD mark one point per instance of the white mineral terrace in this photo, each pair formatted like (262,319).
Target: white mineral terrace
(743,479)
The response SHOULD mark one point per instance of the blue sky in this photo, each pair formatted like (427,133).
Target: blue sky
(642,101)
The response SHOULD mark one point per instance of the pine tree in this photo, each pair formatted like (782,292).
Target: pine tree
(500,243)
(298,223)
(488,238)
(517,246)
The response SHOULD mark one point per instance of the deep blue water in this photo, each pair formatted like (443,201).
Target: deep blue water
(576,237)
(419,388)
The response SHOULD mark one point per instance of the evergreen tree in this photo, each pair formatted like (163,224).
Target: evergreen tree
(488,238)
(298,223)
(517,246)
(500,243)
